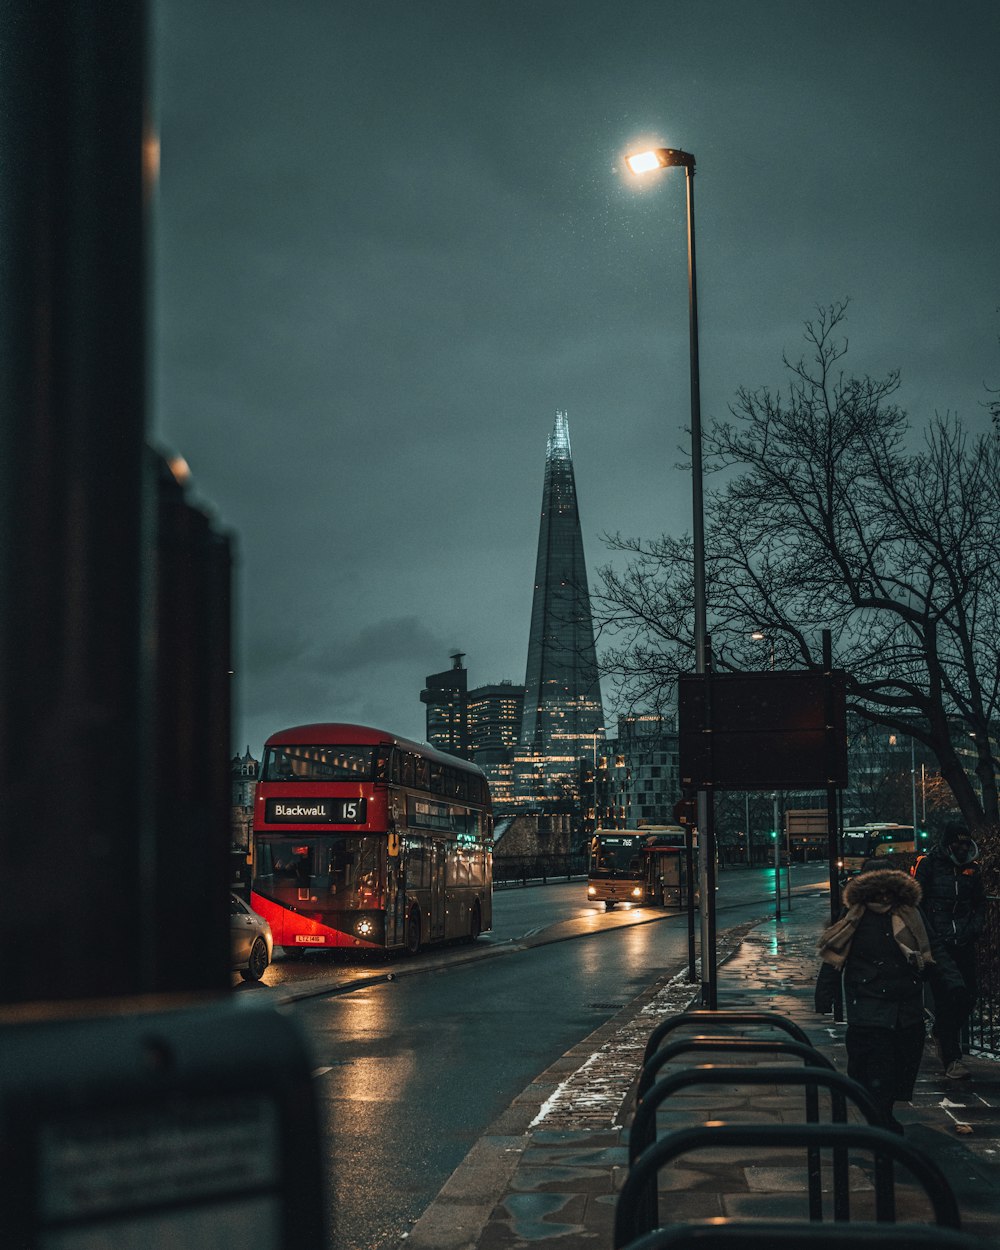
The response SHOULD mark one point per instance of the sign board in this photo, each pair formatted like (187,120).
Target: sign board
(762,731)
(193,1127)
(686,811)
(806,822)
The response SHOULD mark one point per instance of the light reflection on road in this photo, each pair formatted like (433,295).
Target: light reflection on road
(526,916)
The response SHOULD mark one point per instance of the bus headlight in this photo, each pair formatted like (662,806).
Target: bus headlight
(591,891)
(364,927)
(637,892)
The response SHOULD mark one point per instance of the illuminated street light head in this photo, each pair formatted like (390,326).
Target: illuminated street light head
(658,158)
(643,162)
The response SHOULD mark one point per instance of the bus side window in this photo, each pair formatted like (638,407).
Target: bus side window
(264,860)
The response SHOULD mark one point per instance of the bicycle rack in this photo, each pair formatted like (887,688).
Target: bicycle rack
(699,1016)
(789,1235)
(642,1132)
(739,1045)
(632,1219)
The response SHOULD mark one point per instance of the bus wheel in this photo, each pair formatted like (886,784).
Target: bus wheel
(413,932)
(609,904)
(475,922)
(257,963)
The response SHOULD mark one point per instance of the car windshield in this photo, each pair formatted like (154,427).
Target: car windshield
(309,762)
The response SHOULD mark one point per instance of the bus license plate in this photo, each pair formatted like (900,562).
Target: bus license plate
(310,937)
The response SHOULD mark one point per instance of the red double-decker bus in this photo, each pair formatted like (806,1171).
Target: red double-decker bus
(366,840)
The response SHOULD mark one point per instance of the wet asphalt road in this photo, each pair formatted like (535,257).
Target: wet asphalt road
(411,1071)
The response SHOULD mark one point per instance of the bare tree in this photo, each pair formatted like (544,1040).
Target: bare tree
(828,517)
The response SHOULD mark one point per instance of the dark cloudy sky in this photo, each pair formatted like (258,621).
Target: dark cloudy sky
(393,237)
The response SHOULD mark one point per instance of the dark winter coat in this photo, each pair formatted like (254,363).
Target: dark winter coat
(954,897)
(881,987)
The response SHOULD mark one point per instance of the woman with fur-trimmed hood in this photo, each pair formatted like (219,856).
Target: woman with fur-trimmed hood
(882,950)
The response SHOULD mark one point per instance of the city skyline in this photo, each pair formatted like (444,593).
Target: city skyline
(391,239)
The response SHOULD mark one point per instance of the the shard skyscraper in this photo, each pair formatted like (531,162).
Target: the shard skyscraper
(563,717)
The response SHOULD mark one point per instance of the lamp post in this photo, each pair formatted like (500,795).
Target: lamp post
(644,163)
(759,635)
(594,737)
(913,792)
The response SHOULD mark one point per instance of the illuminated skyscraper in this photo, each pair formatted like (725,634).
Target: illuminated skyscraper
(446,696)
(563,716)
(494,732)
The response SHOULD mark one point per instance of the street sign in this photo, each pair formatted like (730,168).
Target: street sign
(762,731)
(686,812)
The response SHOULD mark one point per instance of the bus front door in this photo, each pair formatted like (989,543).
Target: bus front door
(439,856)
(395,898)
(670,868)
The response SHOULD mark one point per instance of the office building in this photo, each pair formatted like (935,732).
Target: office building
(563,722)
(644,772)
(446,698)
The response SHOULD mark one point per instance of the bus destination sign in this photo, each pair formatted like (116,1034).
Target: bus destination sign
(325,811)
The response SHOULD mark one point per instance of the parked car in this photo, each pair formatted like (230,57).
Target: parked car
(251,941)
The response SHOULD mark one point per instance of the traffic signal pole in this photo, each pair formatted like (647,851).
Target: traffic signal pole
(777,855)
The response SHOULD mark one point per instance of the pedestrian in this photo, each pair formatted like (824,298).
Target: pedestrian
(955,907)
(882,950)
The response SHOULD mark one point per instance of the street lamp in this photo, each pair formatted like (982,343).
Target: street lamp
(643,163)
(758,635)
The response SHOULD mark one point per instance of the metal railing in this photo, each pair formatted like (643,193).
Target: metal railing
(538,869)
(984,1025)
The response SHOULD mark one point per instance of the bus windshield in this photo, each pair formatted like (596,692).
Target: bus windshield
(871,841)
(318,763)
(612,856)
(341,871)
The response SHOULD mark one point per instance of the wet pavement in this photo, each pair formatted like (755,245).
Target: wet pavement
(548,1171)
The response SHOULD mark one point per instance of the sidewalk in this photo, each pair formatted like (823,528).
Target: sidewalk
(547,1172)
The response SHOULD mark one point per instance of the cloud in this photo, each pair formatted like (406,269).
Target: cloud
(396,640)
